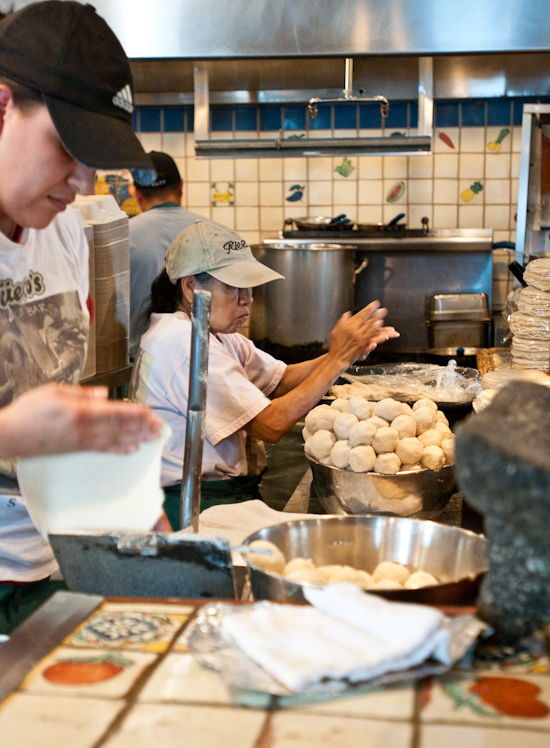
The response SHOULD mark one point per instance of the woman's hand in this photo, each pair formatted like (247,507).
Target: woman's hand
(355,336)
(57,418)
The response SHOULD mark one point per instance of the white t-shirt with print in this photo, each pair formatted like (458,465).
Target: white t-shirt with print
(240,377)
(43,337)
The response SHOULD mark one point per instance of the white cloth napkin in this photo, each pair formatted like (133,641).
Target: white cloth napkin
(346,634)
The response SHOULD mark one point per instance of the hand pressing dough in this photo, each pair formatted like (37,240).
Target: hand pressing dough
(362,459)
(420,579)
(405,426)
(390,570)
(385,440)
(339,454)
(431,437)
(321,418)
(360,408)
(425,402)
(387,463)
(425,419)
(343,424)
(378,422)
(388,408)
(362,433)
(409,450)
(448,447)
(434,458)
(321,443)
(340,404)
(274,563)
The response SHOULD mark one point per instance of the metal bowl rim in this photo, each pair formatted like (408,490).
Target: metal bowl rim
(379,475)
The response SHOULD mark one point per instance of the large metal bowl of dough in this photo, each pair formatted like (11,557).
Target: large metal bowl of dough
(457,558)
(422,494)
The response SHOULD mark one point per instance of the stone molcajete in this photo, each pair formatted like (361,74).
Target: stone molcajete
(503,470)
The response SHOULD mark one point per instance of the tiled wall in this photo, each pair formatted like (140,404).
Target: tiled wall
(469,181)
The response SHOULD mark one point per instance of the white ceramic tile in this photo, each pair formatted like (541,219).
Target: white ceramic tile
(445,216)
(420,191)
(320,168)
(416,213)
(297,211)
(222,170)
(499,140)
(33,721)
(498,166)
(346,133)
(471,165)
(368,133)
(189,143)
(173,143)
(295,168)
(446,165)
(395,702)
(200,209)
(516,139)
(270,169)
(370,192)
(271,219)
(470,216)
(181,679)
(296,192)
(441,135)
(421,167)
(468,194)
(472,140)
(497,217)
(247,193)
(268,135)
(251,237)
(222,135)
(370,167)
(514,187)
(246,169)
(320,134)
(497,191)
(271,193)
(345,208)
(176,726)
(197,170)
(222,194)
(515,165)
(345,192)
(151,141)
(453,736)
(445,191)
(247,219)
(293,729)
(369,214)
(344,168)
(197,193)
(391,186)
(74,672)
(395,167)
(320,192)
(226,216)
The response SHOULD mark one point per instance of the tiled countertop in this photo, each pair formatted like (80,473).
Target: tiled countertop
(124,678)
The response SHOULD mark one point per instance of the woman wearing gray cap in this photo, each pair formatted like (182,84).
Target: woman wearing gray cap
(251,397)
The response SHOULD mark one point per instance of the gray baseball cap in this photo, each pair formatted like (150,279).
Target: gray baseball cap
(209,247)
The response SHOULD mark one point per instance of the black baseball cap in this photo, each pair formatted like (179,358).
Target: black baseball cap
(68,53)
(167,171)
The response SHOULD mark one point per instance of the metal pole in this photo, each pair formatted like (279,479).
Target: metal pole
(190,497)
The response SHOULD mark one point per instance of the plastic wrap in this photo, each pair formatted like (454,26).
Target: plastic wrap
(534,302)
(530,326)
(537,273)
(409,382)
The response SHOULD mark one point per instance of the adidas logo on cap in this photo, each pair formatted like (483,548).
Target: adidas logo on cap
(123,99)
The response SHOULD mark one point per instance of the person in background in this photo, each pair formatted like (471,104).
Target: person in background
(160,221)
(251,397)
(65,110)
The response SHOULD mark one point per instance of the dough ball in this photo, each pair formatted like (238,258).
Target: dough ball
(343,574)
(307,446)
(388,408)
(406,468)
(361,433)
(420,579)
(320,444)
(409,450)
(387,584)
(339,454)
(405,426)
(321,417)
(387,463)
(340,404)
(325,460)
(391,570)
(343,423)
(298,563)
(362,459)
(407,410)
(274,563)
(360,408)
(425,419)
(385,440)
(425,402)
(440,415)
(306,434)
(431,437)
(365,579)
(448,447)
(434,458)
(378,422)
(312,576)
(442,428)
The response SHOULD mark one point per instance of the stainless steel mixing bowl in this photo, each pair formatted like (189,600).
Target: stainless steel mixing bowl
(456,557)
(417,493)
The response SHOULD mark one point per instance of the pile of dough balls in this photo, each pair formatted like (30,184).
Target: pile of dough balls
(388,575)
(385,437)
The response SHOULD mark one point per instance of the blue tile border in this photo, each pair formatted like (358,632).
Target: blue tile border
(271,118)
(472,113)
(149,119)
(446,113)
(294,117)
(221,119)
(370,117)
(397,117)
(323,121)
(499,112)
(345,116)
(246,118)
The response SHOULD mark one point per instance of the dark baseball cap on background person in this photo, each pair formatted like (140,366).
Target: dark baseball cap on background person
(166,168)
(209,247)
(69,54)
